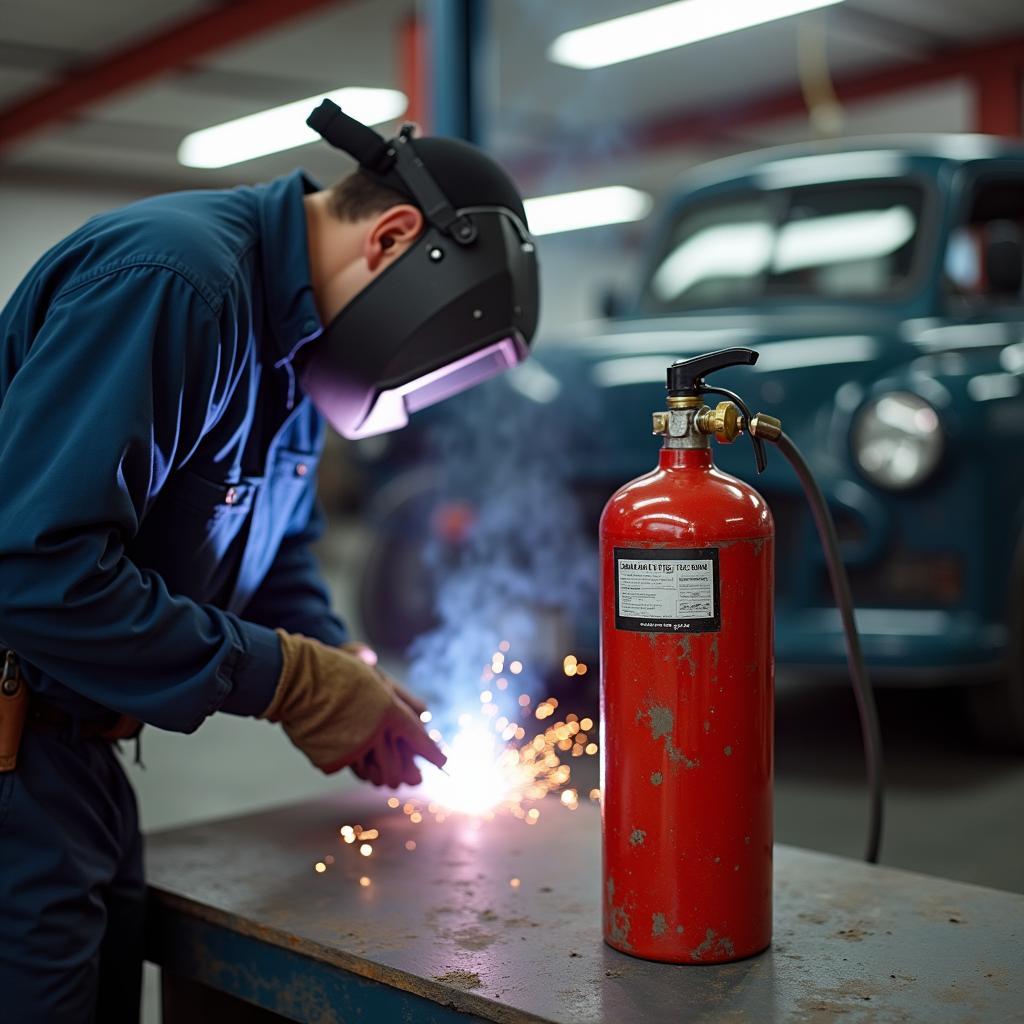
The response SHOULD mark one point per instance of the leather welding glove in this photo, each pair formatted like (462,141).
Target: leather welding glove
(386,760)
(336,709)
(369,655)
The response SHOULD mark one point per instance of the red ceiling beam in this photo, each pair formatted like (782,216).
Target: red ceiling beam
(146,58)
(999,64)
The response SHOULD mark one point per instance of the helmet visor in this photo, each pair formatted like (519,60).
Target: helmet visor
(392,408)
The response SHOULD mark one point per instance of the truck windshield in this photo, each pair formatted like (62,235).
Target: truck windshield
(849,240)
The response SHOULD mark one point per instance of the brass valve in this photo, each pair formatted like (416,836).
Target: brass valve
(723,421)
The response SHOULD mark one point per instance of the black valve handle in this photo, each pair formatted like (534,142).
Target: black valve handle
(686,376)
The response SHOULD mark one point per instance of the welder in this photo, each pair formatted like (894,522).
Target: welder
(165,376)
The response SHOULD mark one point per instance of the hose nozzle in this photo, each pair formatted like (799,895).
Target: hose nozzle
(766,427)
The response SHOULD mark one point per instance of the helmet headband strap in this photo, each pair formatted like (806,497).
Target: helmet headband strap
(396,157)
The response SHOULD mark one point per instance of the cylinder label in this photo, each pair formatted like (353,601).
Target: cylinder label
(667,590)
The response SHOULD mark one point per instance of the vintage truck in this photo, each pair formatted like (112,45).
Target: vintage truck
(880,280)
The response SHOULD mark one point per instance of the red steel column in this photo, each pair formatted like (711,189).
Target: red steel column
(412,71)
(999,99)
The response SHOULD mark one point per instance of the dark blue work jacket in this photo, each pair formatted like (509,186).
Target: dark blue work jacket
(157,462)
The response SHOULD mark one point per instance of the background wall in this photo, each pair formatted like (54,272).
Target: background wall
(33,217)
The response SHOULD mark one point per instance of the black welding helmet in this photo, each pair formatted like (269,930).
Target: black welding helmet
(458,307)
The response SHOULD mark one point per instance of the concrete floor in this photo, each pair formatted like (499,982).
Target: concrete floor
(953,808)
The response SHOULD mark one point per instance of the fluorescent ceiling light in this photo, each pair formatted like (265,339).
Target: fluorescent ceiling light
(270,131)
(590,208)
(666,27)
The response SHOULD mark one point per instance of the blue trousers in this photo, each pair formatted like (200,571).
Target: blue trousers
(72,893)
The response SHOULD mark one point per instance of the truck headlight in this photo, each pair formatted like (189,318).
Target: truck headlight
(897,440)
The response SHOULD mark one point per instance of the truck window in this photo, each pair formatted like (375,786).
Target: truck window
(983,257)
(836,241)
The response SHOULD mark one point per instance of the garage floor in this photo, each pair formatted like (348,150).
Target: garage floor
(954,809)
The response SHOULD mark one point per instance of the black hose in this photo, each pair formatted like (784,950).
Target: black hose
(866,709)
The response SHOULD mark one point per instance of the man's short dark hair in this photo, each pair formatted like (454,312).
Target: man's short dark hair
(358,196)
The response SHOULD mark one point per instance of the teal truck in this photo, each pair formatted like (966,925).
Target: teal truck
(880,281)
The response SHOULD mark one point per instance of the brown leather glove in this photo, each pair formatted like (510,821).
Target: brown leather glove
(383,760)
(369,655)
(336,708)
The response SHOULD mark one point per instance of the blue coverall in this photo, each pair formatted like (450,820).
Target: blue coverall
(157,467)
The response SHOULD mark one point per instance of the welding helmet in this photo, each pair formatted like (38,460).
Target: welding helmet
(458,307)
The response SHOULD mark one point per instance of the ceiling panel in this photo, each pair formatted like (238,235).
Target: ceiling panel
(533,105)
(89,28)
(353,42)
(15,82)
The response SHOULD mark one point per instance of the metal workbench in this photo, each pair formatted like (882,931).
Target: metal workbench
(443,934)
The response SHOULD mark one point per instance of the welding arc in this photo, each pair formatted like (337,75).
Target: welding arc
(870,731)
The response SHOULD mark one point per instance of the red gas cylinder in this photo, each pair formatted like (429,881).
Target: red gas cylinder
(687,680)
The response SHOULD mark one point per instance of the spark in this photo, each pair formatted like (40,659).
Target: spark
(507,772)
(320,867)
(479,773)
(497,764)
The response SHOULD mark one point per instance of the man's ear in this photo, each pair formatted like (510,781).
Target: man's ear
(391,234)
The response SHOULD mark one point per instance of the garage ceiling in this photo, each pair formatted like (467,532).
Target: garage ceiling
(131,138)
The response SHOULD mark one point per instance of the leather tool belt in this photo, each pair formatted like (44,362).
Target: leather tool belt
(20,709)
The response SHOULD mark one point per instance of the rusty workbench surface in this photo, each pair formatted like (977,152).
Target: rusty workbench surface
(443,927)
